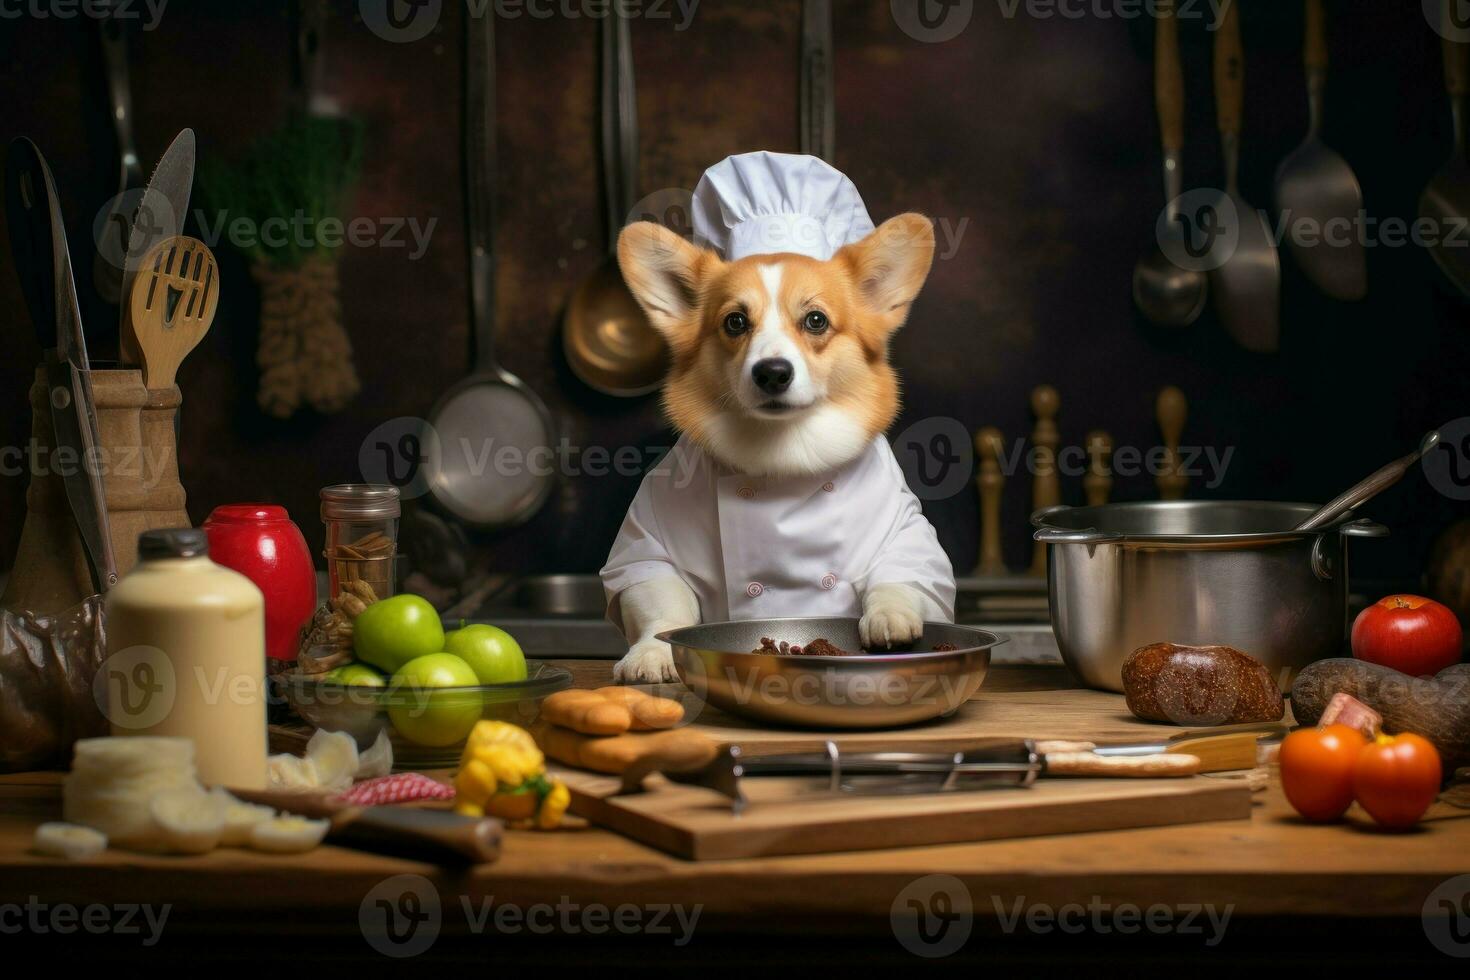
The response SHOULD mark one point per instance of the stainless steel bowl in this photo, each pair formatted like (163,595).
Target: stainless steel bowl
(869,690)
(1199,572)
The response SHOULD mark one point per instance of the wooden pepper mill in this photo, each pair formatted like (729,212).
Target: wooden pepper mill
(988,443)
(1171,410)
(1046,490)
(1098,482)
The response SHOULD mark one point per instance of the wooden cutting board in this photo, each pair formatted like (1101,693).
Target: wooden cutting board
(791,816)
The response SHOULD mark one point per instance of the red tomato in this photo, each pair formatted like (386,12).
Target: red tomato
(1409,633)
(1317,770)
(1396,779)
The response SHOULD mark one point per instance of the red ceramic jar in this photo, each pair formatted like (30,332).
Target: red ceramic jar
(260,542)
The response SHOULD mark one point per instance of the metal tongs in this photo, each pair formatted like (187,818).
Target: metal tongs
(1006,763)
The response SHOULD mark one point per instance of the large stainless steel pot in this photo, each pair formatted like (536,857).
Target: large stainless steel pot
(1122,576)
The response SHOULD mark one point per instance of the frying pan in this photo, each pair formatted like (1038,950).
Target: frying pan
(873,690)
(490,464)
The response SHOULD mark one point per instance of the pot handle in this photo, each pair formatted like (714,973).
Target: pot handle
(1363,528)
(1039,517)
(1061,535)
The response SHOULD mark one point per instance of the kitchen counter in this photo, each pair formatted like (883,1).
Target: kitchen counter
(1270,866)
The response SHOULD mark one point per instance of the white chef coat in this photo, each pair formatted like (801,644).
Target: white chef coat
(770,547)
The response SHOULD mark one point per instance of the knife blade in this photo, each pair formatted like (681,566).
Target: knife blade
(28,221)
(997,762)
(161,215)
(73,412)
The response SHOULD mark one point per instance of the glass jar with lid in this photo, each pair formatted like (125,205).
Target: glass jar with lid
(361,521)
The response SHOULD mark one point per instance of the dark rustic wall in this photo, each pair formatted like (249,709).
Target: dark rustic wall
(1032,136)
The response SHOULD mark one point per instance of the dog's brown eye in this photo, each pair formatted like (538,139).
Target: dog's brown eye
(815,322)
(736,324)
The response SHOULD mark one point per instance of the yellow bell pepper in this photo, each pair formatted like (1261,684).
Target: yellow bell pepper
(553,807)
(503,773)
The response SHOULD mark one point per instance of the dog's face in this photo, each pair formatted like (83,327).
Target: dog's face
(780,362)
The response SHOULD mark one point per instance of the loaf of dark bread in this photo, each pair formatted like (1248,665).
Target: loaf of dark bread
(1199,686)
(1436,708)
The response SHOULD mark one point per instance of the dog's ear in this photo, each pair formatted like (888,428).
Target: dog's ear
(664,272)
(890,266)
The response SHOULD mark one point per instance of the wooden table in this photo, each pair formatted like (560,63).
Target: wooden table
(1271,866)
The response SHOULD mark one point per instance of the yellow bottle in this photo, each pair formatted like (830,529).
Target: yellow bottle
(186,657)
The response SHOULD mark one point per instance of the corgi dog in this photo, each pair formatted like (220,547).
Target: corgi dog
(782,497)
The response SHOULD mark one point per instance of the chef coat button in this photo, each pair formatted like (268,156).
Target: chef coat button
(746,492)
(754,589)
(829,581)
(829,486)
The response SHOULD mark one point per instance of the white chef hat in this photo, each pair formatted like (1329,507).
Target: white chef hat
(756,203)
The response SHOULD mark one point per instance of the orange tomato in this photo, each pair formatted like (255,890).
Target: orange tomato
(1317,770)
(1396,778)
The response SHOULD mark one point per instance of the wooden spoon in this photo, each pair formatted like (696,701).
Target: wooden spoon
(172,305)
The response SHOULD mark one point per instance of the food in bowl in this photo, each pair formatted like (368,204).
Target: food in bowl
(819,647)
(822,647)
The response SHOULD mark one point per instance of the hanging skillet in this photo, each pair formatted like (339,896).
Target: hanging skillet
(490,453)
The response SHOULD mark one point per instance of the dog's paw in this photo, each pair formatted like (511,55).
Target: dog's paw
(647,662)
(889,618)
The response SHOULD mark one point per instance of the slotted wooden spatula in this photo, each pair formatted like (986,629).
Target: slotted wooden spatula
(172,305)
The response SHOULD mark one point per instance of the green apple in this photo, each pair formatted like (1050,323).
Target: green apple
(492,653)
(423,706)
(390,633)
(354,675)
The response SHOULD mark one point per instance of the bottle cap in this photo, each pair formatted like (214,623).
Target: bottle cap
(360,502)
(173,542)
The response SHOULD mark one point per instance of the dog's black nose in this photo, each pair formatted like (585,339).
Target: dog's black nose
(773,375)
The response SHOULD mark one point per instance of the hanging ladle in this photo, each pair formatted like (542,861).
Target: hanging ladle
(1365,490)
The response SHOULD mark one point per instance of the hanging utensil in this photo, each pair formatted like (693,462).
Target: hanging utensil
(608,340)
(492,410)
(73,412)
(1164,293)
(112,245)
(1369,487)
(1317,185)
(173,304)
(311,18)
(160,216)
(1446,201)
(818,101)
(1247,286)
(29,225)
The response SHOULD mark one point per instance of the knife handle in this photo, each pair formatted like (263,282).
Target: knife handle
(1168,78)
(1229,70)
(436,836)
(1137,766)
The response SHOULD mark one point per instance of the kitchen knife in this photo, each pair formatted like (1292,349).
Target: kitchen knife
(1219,750)
(161,215)
(417,833)
(28,221)
(995,762)
(1011,762)
(68,373)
